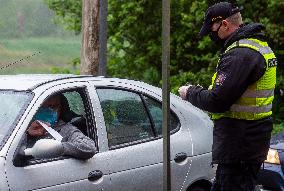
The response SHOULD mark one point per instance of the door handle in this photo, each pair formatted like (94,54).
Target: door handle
(180,157)
(95,175)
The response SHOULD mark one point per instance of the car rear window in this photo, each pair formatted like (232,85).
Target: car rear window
(13,104)
(155,109)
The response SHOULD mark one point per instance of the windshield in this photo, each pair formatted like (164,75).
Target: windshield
(13,104)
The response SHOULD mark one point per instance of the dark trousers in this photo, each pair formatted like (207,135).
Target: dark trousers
(236,177)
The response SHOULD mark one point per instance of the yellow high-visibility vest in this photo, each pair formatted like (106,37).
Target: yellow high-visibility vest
(256,102)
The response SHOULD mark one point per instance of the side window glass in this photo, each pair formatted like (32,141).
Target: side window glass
(125,115)
(155,109)
(75,102)
(74,110)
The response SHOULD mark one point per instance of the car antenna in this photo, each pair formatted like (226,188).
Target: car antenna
(17,61)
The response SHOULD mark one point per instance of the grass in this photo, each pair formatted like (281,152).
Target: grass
(54,52)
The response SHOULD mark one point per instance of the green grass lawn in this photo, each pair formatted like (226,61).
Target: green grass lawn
(54,52)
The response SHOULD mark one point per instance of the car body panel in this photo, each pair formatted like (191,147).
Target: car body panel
(199,164)
(99,120)
(150,165)
(58,174)
(200,126)
(28,81)
(3,180)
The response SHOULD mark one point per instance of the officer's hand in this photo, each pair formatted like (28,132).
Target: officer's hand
(183,91)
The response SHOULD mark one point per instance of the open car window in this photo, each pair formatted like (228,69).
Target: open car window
(72,107)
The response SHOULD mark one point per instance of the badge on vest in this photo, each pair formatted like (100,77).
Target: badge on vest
(272,62)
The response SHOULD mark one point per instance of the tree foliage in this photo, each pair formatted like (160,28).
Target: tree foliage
(69,13)
(134,42)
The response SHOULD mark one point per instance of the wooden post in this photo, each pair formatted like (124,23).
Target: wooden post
(90,37)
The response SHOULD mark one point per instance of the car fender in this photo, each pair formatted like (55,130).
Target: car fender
(199,125)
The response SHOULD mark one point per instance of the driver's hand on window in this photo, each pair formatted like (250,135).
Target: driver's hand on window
(36,129)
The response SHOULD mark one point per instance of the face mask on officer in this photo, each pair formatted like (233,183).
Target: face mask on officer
(215,38)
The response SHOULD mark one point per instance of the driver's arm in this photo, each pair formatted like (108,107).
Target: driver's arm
(76,144)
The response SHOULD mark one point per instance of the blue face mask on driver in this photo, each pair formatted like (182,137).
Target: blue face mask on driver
(46,114)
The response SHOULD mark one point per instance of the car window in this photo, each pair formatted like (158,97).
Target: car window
(75,113)
(75,102)
(125,115)
(155,109)
(60,109)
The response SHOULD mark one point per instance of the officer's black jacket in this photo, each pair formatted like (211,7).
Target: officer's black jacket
(235,140)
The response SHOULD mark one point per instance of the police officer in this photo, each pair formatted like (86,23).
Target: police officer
(239,98)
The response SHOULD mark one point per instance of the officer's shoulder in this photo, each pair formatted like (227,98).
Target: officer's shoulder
(241,52)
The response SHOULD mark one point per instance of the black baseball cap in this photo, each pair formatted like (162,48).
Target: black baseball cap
(218,11)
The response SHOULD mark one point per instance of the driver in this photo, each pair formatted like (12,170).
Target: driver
(74,142)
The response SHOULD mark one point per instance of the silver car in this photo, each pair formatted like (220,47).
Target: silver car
(123,117)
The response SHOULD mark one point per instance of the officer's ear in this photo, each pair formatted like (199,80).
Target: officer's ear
(225,23)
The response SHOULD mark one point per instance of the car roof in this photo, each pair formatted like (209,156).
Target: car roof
(28,81)
(22,82)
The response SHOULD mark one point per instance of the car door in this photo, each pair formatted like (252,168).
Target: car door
(134,130)
(63,173)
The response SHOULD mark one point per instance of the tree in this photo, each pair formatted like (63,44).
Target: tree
(135,36)
(69,13)
(134,44)
(81,16)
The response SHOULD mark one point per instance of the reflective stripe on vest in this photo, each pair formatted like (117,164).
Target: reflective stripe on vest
(258,93)
(256,102)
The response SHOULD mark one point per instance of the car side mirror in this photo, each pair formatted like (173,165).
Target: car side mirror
(45,148)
